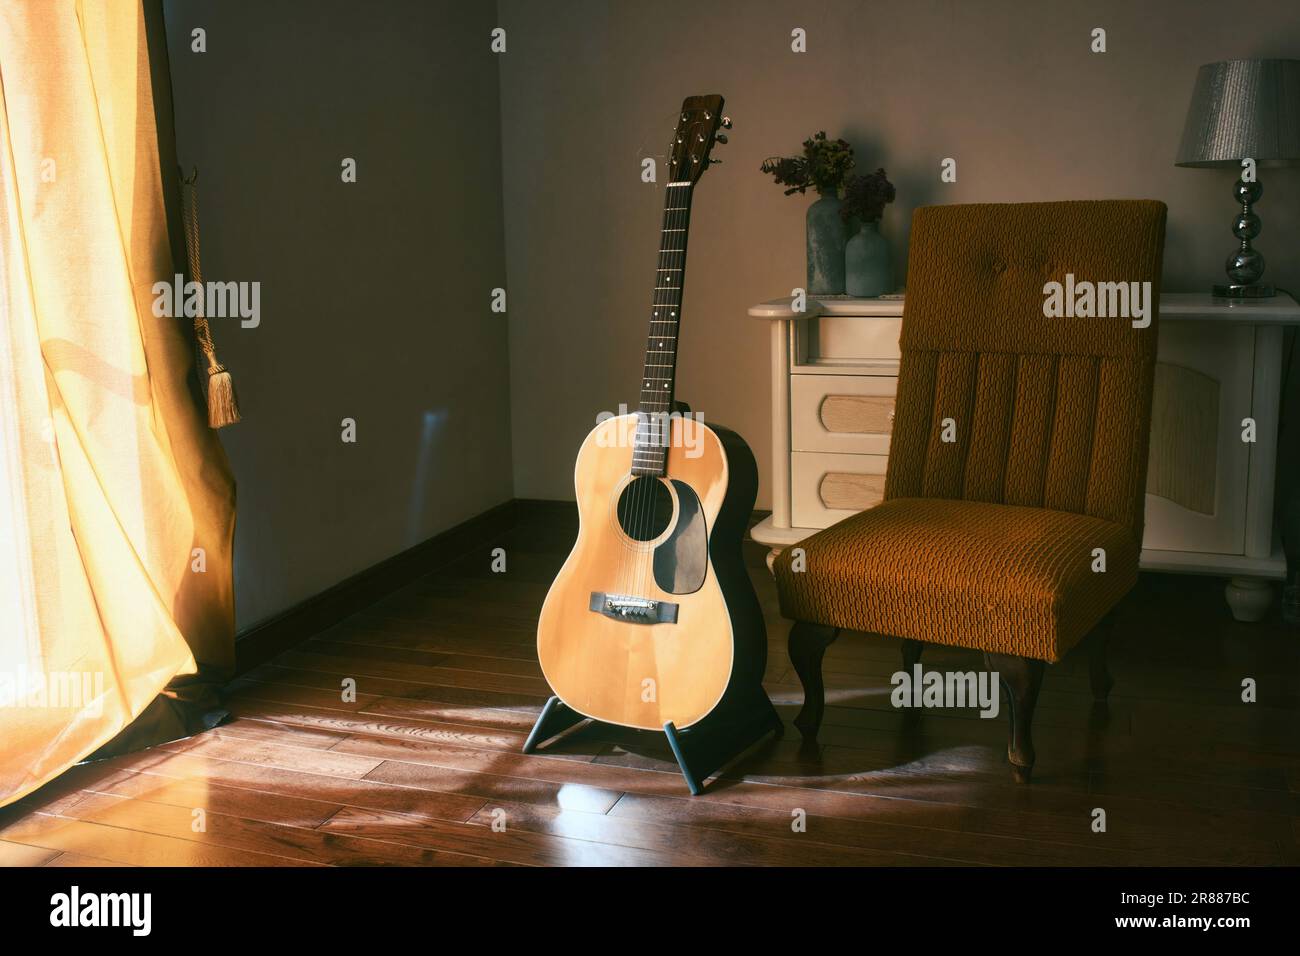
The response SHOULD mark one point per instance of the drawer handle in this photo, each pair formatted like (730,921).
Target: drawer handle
(852,492)
(857,414)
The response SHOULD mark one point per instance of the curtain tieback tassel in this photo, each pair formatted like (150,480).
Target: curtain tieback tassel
(223,408)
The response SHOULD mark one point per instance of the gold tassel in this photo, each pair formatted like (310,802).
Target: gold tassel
(223,409)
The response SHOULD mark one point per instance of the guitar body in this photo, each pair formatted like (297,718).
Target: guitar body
(653,622)
(668,546)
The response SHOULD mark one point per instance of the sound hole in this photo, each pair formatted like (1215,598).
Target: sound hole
(645,509)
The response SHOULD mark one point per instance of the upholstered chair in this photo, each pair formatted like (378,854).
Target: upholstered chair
(1012,514)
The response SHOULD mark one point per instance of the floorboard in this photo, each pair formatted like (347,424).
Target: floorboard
(422,764)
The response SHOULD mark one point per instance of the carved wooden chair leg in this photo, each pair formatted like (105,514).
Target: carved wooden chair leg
(808,643)
(1022,677)
(911,653)
(1098,673)
(911,657)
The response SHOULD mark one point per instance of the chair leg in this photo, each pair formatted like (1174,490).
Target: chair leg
(911,657)
(911,653)
(808,643)
(1022,677)
(1098,674)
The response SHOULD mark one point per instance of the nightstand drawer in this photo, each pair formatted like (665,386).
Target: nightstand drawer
(838,340)
(826,488)
(849,339)
(846,414)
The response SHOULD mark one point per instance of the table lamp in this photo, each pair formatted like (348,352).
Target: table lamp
(1244,109)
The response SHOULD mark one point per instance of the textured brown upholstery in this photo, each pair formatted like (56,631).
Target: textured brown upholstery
(1003,578)
(987,541)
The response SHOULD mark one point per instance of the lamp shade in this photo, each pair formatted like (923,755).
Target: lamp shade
(1240,109)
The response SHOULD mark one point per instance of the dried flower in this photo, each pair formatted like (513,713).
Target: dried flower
(789,171)
(823,166)
(865,196)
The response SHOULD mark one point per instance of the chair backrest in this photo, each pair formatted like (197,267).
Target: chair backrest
(1049,412)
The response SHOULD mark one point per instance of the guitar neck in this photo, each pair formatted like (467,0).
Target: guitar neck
(658,379)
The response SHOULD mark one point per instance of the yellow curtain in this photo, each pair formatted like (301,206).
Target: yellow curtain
(116,500)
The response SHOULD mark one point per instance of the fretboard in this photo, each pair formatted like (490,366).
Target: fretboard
(650,453)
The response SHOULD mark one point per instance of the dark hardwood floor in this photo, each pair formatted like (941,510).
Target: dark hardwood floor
(421,765)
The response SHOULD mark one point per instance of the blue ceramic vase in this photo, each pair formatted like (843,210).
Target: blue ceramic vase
(827,236)
(868,271)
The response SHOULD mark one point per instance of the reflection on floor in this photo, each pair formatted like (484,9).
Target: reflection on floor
(417,768)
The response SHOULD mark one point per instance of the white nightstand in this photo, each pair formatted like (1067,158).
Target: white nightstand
(1209,507)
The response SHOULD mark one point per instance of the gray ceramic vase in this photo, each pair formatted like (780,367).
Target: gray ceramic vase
(867,268)
(827,236)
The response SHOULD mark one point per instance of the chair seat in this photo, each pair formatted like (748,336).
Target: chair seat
(1000,578)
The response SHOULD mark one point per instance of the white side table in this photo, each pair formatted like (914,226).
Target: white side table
(1209,507)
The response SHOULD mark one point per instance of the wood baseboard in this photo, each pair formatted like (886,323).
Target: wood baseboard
(531,508)
(264,641)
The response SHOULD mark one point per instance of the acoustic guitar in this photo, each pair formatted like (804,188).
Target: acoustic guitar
(652,622)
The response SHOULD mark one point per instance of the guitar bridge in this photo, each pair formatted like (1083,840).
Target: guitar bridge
(634,610)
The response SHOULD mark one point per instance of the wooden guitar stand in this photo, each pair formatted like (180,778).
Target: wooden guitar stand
(731,728)
(745,714)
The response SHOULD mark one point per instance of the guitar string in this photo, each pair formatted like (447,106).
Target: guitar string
(661,424)
(664,425)
(637,494)
(633,492)
(648,423)
(645,491)
(661,430)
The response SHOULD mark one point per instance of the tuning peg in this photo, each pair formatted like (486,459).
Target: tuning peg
(726,122)
(714,162)
(721,138)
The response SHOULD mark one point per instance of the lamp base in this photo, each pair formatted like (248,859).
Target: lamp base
(1256,290)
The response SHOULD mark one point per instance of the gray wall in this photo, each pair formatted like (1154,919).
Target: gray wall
(1011,90)
(374,294)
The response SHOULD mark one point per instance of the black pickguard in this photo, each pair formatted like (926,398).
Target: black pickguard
(681,563)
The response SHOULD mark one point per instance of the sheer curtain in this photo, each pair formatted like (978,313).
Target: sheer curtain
(116,500)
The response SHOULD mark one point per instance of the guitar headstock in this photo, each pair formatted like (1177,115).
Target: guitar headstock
(697,130)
